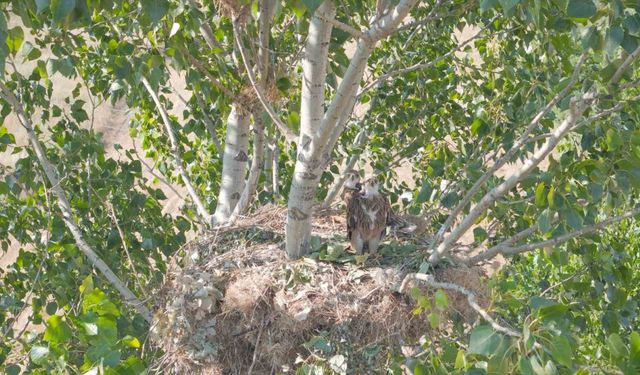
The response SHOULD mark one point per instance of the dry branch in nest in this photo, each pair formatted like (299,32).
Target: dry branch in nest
(232,301)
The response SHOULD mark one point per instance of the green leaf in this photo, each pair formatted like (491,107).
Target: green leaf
(573,218)
(544,221)
(561,350)
(131,341)
(434,319)
(525,366)
(62,8)
(614,140)
(508,5)
(98,302)
(461,361)
(156,9)
(613,39)
(39,354)
(57,331)
(41,5)
(634,340)
(488,4)
(541,200)
(425,193)
(442,301)
(479,234)
(581,9)
(484,340)
(617,348)
(312,5)
(15,38)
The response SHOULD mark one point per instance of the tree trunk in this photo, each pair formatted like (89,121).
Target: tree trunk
(307,171)
(234,164)
(256,167)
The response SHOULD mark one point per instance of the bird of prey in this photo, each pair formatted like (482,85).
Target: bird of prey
(352,195)
(375,210)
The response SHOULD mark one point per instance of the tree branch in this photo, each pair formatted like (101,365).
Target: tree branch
(623,67)
(578,106)
(522,140)
(177,157)
(286,132)
(357,34)
(65,208)
(209,124)
(512,250)
(415,67)
(471,298)
(345,98)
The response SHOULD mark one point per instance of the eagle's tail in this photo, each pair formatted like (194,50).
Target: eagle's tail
(400,224)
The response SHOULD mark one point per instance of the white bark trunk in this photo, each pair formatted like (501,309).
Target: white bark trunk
(234,164)
(320,131)
(307,172)
(256,167)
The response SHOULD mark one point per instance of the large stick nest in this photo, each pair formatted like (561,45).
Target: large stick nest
(233,302)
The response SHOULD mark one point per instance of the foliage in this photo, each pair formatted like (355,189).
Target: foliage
(576,305)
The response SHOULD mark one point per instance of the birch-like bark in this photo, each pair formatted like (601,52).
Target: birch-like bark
(177,156)
(234,164)
(67,213)
(251,185)
(306,175)
(577,109)
(319,131)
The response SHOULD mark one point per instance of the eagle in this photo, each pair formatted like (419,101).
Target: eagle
(376,211)
(352,194)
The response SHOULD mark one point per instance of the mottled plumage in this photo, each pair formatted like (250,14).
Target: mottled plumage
(352,195)
(375,211)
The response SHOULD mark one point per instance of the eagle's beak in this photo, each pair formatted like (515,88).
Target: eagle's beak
(358,185)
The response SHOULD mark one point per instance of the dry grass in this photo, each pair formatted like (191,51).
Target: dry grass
(233,302)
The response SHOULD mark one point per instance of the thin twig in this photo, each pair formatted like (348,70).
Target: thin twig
(177,156)
(512,250)
(286,132)
(65,208)
(471,298)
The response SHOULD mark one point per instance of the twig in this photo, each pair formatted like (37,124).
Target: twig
(342,26)
(209,124)
(65,208)
(154,174)
(512,250)
(112,214)
(255,350)
(286,132)
(471,298)
(419,66)
(177,156)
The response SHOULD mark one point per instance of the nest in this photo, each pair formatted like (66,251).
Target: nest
(233,303)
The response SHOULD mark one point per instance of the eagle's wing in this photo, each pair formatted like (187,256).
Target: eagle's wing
(353,205)
(384,210)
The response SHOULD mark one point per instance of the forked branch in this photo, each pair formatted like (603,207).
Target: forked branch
(471,298)
(512,250)
(65,207)
(286,132)
(177,156)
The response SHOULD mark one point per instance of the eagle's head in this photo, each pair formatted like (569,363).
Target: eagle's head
(353,181)
(371,187)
